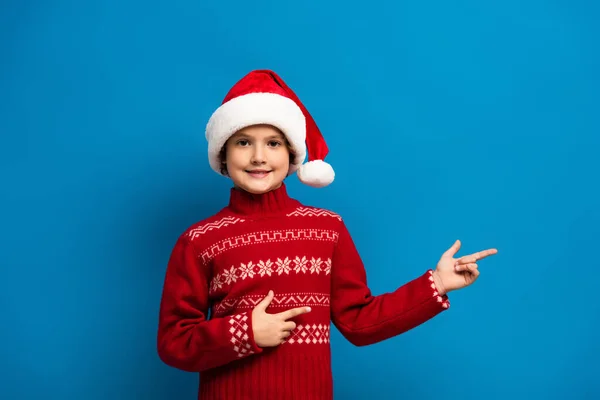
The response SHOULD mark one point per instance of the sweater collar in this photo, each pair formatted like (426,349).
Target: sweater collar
(273,202)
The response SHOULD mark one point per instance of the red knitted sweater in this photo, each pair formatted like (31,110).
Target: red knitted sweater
(227,263)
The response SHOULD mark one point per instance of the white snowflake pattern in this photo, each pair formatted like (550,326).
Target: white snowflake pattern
(301,264)
(268,267)
(327,266)
(247,270)
(264,268)
(216,283)
(229,275)
(283,266)
(315,265)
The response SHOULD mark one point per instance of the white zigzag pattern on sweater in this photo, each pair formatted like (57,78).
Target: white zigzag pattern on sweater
(283,300)
(223,222)
(313,212)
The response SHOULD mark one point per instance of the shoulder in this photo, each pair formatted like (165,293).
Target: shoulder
(209,225)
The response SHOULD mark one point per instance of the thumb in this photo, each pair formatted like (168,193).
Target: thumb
(264,303)
(453,250)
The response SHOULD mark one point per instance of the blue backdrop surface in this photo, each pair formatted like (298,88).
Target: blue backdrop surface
(446,120)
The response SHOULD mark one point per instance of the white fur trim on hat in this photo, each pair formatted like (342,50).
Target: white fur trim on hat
(316,173)
(254,109)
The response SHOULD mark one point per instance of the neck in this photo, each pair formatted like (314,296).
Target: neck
(273,202)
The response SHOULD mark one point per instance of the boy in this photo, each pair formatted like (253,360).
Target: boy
(275,273)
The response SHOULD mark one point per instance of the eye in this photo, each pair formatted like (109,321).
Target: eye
(242,142)
(275,143)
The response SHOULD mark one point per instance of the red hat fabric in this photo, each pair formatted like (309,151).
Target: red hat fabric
(262,97)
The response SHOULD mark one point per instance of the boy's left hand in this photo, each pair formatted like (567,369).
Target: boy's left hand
(456,273)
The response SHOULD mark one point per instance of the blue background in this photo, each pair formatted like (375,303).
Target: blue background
(445,120)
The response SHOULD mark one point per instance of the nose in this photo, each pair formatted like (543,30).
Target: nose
(258,155)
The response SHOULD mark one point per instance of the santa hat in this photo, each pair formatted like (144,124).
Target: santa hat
(262,97)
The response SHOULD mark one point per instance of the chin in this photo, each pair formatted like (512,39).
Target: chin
(259,187)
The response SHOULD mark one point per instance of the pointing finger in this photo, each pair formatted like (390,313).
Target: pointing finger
(294,312)
(480,255)
(486,253)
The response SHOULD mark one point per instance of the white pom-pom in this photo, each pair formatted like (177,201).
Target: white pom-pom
(316,173)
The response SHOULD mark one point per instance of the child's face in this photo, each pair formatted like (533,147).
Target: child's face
(257,158)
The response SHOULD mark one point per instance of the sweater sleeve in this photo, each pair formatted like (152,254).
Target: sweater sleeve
(186,339)
(364,319)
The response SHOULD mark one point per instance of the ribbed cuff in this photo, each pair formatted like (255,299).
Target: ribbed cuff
(442,299)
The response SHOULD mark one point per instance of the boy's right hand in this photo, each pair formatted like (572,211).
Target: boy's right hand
(271,330)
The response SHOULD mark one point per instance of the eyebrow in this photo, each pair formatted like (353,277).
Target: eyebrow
(278,136)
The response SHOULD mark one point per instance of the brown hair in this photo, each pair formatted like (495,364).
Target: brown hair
(223,155)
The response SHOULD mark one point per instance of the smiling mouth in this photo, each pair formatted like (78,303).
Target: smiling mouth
(258,173)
